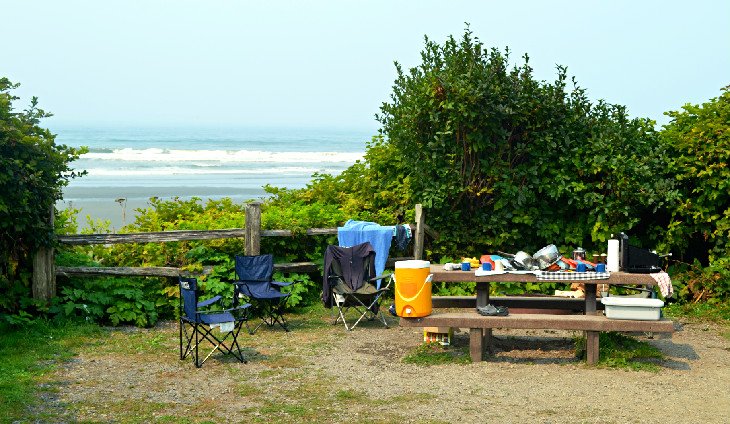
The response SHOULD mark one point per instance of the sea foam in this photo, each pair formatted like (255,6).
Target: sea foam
(222,156)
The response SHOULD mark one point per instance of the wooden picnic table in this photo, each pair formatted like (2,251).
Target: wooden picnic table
(480,327)
(483,283)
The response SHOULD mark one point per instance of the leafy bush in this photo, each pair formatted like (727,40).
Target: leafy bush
(503,161)
(108,300)
(694,283)
(698,139)
(142,301)
(33,170)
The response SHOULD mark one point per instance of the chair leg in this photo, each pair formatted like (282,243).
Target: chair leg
(234,342)
(188,350)
(271,313)
(197,342)
(180,327)
(369,312)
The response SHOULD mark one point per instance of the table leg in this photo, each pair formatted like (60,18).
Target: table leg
(475,344)
(482,294)
(590,298)
(483,300)
(592,347)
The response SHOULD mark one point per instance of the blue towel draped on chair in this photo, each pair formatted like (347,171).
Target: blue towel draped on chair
(379,236)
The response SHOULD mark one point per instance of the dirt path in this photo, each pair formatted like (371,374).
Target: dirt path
(322,373)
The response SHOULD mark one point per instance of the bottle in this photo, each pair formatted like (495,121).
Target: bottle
(612,256)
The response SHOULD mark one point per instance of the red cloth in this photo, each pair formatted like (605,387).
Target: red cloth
(664,282)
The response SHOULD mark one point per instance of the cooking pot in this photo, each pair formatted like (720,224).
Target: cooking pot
(547,256)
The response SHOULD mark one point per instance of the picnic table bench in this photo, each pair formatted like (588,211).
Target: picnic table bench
(592,324)
(480,327)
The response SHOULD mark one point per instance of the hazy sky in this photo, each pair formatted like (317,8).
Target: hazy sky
(330,63)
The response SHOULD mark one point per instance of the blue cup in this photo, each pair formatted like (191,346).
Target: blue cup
(486,266)
(465,266)
(581,267)
(600,267)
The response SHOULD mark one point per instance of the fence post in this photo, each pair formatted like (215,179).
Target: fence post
(44,273)
(418,239)
(253,229)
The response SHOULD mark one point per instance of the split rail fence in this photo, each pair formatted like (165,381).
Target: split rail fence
(45,271)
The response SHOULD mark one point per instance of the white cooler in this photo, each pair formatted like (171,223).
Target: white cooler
(618,307)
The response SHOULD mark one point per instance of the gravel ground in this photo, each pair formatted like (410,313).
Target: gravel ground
(315,370)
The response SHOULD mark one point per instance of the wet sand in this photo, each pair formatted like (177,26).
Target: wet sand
(101,203)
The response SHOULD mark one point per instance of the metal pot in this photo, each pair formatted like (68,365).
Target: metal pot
(547,256)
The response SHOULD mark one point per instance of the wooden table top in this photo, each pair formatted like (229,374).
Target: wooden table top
(441,275)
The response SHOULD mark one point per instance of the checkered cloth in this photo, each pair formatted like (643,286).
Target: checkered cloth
(664,282)
(572,276)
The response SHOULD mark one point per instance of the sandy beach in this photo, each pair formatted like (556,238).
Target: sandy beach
(100,203)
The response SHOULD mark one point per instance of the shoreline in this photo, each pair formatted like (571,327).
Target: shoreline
(100,203)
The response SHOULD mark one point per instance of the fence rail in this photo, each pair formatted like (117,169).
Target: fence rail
(181,235)
(45,272)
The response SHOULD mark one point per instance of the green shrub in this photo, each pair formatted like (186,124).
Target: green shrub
(698,139)
(109,300)
(694,283)
(33,171)
(503,161)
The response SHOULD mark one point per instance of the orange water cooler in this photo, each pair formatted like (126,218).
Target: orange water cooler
(413,288)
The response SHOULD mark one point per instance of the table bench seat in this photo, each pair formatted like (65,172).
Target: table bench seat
(591,324)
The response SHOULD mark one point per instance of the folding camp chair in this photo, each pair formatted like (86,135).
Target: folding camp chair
(255,275)
(197,325)
(350,283)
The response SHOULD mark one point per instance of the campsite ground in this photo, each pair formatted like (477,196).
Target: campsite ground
(319,372)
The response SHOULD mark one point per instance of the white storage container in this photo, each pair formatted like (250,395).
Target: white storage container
(618,307)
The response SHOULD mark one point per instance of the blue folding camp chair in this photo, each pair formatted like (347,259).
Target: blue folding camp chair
(254,282)
(197,324)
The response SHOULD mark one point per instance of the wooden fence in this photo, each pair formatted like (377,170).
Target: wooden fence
(45,270)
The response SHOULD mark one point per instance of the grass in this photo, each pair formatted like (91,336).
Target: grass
(717,312)
(620,351)
(30,353)
(434,354)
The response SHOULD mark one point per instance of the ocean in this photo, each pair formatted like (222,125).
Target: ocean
(128,165)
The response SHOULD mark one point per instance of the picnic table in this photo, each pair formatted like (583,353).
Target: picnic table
(480,327)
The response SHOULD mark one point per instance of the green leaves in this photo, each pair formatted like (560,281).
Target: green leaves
(33,170)
(503,161)
(698,146)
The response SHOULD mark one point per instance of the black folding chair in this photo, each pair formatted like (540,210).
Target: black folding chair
(255,275)
(198,325)
(350,284)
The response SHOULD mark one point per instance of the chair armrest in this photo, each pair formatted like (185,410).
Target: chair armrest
(238,308)
(388,277)
(209,302)
(381,277)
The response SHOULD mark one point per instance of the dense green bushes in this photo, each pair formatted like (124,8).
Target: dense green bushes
(142,301)
(504,161)
(698,139)
(33,170)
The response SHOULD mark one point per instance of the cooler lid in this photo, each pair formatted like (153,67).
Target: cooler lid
(413,263)
(632,301)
